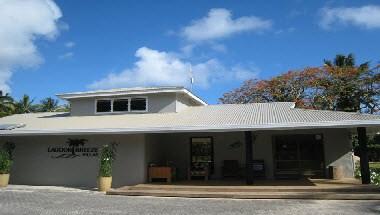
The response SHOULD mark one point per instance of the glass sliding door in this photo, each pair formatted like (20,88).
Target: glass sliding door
(299,155)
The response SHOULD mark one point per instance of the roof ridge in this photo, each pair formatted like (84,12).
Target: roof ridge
(253,103)
(335,111)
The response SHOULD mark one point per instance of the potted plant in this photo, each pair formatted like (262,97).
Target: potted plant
(107,156)
(6,161)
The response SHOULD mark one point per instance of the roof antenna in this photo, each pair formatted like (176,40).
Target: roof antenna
(191,78)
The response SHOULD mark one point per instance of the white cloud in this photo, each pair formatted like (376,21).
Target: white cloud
(155,68)
(219,24)
(69,44)
(21,23)
(366,16)
(66,55)
(218,47)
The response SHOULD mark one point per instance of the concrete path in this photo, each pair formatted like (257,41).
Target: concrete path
(327,191)
(56,200)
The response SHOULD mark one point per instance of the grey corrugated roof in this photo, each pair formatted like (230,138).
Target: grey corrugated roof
(257,116)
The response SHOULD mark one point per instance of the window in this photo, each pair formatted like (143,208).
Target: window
(117,105)
(103,106)
(120,105)
(138,104)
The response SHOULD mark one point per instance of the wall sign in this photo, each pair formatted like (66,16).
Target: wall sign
(75,148)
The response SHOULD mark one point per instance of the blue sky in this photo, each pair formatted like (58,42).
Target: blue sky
(85,45)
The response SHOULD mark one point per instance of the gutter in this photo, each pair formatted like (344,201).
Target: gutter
(185,129)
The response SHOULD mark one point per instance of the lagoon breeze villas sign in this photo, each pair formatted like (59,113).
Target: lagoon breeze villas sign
(75,148)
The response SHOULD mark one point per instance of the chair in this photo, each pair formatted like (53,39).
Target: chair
(230,168)
(198,170)
(258,169)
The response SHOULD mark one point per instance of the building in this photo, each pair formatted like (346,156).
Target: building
(170,126)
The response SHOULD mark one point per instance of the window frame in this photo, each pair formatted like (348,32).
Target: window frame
(121,98)
(139,111)
(102,99)
(212,152)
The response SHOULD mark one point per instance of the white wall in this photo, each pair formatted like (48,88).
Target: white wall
(338,150)
(33,164)
(183,102)
(157,103)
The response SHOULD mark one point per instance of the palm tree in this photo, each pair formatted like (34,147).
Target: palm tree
(25,105)
(346,88)
(49,104)
(7,106)
(63,108)
(342,61)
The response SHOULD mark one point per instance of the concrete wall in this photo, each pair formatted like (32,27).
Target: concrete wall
(157,103)
(34,165)
(338,149)
(183,102)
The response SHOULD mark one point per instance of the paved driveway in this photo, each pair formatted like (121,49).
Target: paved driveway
(49,200)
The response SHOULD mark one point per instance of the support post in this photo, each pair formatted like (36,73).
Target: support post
(364,163)
(248,157)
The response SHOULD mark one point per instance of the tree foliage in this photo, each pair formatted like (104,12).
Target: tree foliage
(49,104)
(25,105)
(9,106)
(339,85)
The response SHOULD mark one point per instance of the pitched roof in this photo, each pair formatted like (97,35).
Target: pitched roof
(229,117)
(131,91)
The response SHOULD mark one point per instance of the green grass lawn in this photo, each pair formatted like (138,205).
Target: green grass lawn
(374,165)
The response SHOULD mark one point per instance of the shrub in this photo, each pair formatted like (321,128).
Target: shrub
(5,162)
(107,156)
(374,174)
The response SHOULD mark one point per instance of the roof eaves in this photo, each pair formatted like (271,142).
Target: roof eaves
(208,128)
(116,92)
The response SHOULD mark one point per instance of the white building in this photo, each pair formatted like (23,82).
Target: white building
(170,126)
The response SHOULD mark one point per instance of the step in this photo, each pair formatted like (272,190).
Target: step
(356,188)
(249,195)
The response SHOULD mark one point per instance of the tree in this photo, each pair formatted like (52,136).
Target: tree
(337,85)
(7,106)
(343,80)
(25,105)
(49,104)
(288,87)
(63,108)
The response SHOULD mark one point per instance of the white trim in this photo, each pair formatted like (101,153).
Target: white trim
(96,106)
(130,91)
(112,100)
(121,98)
(223,128)
(194,97)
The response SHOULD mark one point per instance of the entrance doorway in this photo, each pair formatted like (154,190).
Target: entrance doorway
(202,155)
(300,155)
